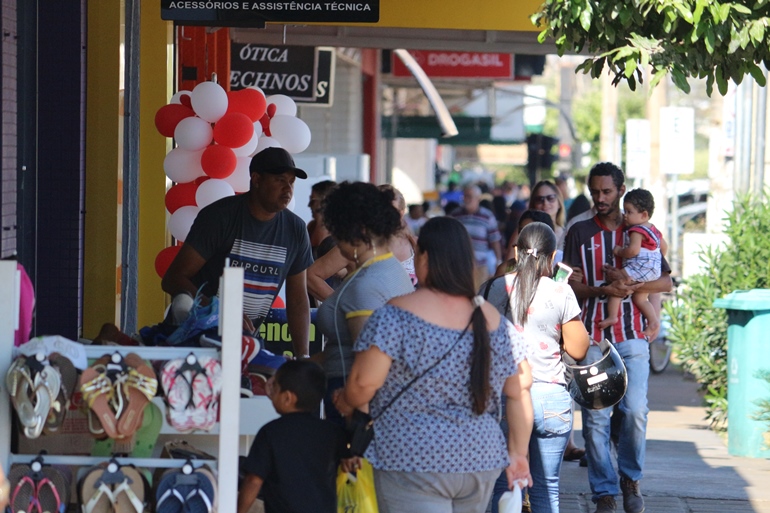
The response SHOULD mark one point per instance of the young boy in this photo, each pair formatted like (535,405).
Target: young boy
(641,257)
(293,459)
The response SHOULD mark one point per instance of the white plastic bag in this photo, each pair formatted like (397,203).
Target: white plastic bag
(510,502)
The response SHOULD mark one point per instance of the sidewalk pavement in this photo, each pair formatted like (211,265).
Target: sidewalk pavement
(687,468)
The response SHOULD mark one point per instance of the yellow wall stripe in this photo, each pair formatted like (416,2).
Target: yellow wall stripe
(156,80)
(102,165)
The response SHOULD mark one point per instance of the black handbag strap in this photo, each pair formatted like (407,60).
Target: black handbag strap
(423,373)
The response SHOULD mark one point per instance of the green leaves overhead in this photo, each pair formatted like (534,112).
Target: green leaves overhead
(719,41)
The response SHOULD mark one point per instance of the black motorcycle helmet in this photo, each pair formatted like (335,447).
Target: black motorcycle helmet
(597,383)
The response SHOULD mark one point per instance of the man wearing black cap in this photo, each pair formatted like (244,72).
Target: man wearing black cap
(256,232)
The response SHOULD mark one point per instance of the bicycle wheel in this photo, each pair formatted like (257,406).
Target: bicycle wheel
(660,354)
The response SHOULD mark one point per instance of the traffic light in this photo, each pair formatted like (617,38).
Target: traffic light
(540,154)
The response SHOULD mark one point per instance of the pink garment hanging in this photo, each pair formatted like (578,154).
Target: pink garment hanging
(26,307)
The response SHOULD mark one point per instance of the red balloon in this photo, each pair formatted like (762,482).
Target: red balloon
(218,161)
(169,116)
(181,195)
(265,122)
(233,130)
(164,259)
(201,179)
(186,100)
(247,101)
(271,109)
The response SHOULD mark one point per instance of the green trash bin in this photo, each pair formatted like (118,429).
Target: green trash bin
(748,354)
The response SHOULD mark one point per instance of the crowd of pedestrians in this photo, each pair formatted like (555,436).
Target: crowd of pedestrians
(447,330)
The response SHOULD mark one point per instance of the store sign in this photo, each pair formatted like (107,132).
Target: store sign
(324,89)
(288,70)
(274,331)
(440,64)
(256,14)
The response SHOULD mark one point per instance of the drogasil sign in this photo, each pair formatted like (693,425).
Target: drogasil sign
(442,64)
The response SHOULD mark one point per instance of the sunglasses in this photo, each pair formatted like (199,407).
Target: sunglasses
(550,198)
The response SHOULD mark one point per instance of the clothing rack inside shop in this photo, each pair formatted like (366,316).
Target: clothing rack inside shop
(258,412)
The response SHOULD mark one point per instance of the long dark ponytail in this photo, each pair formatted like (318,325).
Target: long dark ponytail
(535,246)
(450,270)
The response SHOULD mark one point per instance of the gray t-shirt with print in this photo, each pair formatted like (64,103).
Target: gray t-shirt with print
(268,251)
(366,290)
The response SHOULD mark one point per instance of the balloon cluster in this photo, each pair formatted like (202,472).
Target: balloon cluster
(216,134)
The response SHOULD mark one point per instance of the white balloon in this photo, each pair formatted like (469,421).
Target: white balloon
(257,89)
(209,101)
(177,98)
(248,148)
(267,142)
(212,190)
(292,133)
(183,166)
(284,105)
(240,180)
(258,128)
(181,220)
(193,133)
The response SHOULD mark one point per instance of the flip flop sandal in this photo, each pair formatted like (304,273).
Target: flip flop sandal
(129,495)
(47,384)
(140,387)
(47,496)
(178,394)
(95,495)
(42,407)
(21,398)
(171,495)
(60,482)
(22,488)
(200,499)
(206,389)
(98,393)
(146,436)
(212,479)
(23,497)
(18,374)
(69,380)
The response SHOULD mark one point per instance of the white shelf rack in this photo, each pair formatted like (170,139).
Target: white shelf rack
(256,411)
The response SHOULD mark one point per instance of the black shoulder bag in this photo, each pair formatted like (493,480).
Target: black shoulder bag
(361,425)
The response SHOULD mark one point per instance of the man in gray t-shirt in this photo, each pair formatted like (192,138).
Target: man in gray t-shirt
(256,232)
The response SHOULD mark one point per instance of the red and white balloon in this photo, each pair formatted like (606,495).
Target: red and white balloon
(216,134)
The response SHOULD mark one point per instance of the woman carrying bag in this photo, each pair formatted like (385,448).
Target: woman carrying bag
(362,220)
(439,360)
(545,311)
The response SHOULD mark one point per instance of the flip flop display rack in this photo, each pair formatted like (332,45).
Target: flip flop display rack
(117,388)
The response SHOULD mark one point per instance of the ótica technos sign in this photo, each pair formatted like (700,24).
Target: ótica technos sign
(256,14)
(303,73)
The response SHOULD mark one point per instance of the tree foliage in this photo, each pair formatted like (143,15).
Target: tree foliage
(718,41)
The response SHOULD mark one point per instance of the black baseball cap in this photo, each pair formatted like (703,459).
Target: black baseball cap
(274,161)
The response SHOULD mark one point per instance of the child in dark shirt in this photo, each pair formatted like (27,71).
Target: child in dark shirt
(293,459)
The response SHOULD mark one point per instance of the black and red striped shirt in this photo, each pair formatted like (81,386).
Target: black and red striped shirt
(589,246)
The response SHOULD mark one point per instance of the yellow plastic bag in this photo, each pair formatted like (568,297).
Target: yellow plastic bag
(355,494)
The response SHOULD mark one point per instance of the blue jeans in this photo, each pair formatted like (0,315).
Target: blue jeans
(552,406)
(633,428)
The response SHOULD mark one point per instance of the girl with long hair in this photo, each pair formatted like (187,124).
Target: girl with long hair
(439,447)
(546,312)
